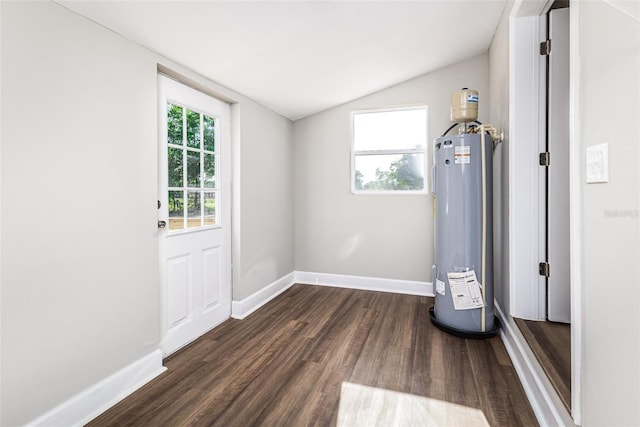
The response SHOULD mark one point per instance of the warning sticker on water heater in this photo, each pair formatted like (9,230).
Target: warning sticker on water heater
(462,154)
(440,287)
(465,290)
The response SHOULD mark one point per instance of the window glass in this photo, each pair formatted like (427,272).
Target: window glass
(389,150)
(193,129)
(192,173)
(389,172)
(379,130)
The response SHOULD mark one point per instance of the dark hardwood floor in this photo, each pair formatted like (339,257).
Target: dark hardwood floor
(297,360)
(550,342)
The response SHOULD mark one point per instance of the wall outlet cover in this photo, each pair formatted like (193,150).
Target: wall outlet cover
(598,164)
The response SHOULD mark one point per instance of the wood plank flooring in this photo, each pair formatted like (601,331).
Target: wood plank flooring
(550,342)
(326,356)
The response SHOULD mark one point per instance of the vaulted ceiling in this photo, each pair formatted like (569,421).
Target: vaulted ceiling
(301,57)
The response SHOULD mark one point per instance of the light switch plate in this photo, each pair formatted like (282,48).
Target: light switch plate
(598,163)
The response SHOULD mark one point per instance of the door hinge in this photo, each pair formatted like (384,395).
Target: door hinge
(544,269)
(545,47)
(545,158)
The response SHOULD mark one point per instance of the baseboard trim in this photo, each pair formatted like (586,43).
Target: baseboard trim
(365,283)
(88,404)
(243,308)
(544,401)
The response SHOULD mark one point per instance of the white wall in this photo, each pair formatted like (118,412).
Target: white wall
(499,117)
(80,294)
(388,236)
(79,255)
(609,111)
(265,192)
(608,107)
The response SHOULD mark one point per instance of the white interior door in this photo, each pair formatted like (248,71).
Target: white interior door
(194,196)
(559,281)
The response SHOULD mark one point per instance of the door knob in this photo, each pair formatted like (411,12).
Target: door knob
(162,224)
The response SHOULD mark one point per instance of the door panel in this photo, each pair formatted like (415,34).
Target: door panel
(559,282)
(211,276)
(178,280)
(194,192)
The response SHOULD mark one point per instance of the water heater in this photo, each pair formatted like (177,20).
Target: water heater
(462,182)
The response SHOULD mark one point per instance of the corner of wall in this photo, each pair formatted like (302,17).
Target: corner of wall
(236,196)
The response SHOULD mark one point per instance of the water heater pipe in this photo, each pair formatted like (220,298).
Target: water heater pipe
(496,137)
(484,223)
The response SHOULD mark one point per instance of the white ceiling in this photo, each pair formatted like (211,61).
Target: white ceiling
(301,57)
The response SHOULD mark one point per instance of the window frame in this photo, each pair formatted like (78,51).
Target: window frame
(354,153)
(186,189)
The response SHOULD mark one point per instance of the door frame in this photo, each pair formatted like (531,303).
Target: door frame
(575,218)
(558,201)
(525,115)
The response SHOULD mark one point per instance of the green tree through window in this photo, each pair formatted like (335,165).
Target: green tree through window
(403,174)
(191,167)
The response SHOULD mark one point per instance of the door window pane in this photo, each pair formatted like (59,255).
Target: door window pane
(176,210)
(175,169)
(209,133)
(209,208)
(193,168)
(174,124)
(209,171)
(193,129)
(191,139)
(194,210)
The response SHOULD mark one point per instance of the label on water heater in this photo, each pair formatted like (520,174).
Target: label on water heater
(462,154)
(472,97)
(440,287)
(465,290)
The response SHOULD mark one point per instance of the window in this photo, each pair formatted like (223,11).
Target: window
(388,151)
(192,152)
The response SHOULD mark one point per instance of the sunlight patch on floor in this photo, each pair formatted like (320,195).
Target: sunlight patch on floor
(369,406)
